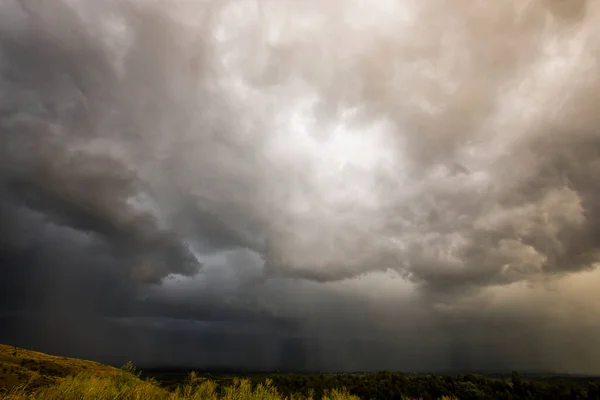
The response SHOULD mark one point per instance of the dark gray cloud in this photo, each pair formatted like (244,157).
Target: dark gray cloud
(302,180)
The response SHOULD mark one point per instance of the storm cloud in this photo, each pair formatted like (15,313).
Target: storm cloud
(315,184)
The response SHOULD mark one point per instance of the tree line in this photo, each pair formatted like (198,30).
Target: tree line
(397,386)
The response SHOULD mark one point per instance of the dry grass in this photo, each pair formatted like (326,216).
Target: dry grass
(127,386)
(26,367)
(29,375)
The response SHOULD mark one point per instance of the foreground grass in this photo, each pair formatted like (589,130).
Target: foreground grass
(127,386)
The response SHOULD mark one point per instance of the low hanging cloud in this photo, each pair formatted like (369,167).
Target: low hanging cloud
(172,158)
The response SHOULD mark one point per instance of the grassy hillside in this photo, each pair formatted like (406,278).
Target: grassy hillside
(26,367)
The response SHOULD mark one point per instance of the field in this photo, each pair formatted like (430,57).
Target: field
(26,375)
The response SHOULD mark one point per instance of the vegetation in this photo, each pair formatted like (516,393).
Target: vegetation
(26,375)
(21,366)
(127,385)
(393,385)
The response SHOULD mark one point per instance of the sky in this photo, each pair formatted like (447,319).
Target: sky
(316,185)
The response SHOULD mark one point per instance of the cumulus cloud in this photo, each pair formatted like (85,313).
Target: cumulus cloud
(228,160)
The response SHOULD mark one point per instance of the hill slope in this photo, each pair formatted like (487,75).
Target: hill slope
(20,366)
